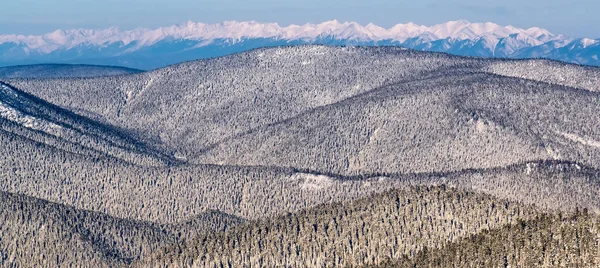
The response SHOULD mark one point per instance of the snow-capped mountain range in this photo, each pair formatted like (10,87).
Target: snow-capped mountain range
(151,48)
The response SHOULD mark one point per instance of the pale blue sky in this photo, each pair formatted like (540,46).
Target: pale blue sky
(576,18)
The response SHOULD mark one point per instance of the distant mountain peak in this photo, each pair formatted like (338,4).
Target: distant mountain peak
(460,29)
(459,37)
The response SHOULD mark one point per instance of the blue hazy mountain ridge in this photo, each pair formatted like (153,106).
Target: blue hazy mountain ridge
(62,71)
(149,49)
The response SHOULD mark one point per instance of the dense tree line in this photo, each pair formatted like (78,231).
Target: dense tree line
(416,226)
(554,72)
(546,241)
(301,156)
(446,123)
(409,127)
(191,106)
(31,117)
(161,194)
(348,110)
(37,233)
(177,193)
(367,231)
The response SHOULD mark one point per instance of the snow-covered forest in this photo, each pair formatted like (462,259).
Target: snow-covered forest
(303,156)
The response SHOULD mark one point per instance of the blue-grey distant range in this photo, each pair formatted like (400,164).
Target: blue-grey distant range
(152,48)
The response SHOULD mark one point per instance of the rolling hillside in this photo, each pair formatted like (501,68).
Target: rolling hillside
(338,110)
(518,245)
(304,156)
(39,233)
(391,225)
(28,116)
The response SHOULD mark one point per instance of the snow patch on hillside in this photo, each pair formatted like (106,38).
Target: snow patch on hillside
(313,182)
(530,168)
(9,113)
(481,126)
(576,138)
(552,152)
(27,121)
(587,42)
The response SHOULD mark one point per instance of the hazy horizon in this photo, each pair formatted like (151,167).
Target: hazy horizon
(573,18)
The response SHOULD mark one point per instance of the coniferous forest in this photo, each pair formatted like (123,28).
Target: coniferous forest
(302,156)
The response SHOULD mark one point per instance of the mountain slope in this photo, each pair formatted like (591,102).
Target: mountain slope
(363,232)
(35,232)
(227,96)
(404,128)
(549,72)
(165,195)
(174,194)
(154,48)
(50,124)
(62,70)
(348,110)
(546,241)
(301,156)
(169,195)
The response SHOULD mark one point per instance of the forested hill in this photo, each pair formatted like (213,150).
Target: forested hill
(349,110)
(306,156)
